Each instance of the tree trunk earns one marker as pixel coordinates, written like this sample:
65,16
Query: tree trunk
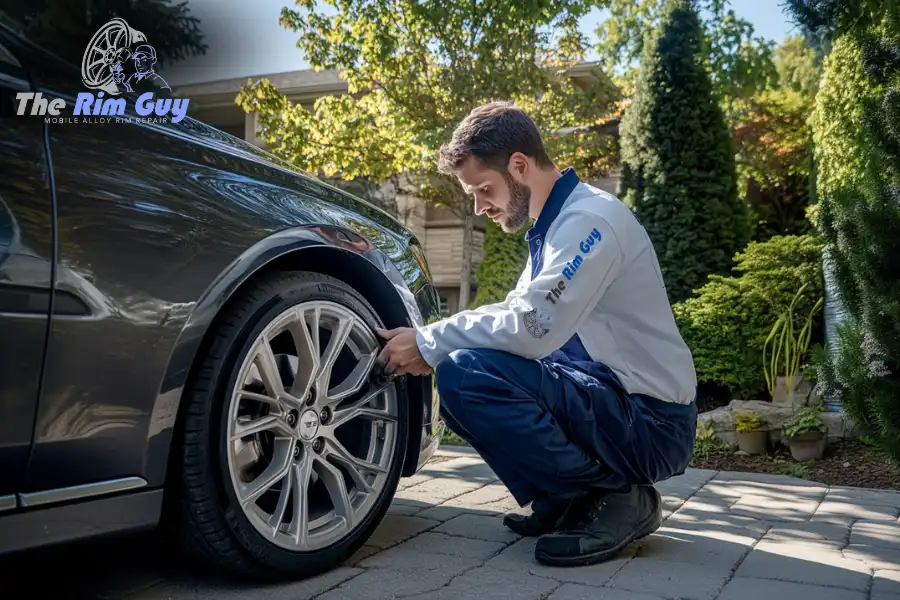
468,243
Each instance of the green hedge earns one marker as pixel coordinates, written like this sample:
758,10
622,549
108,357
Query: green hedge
505,255
727,320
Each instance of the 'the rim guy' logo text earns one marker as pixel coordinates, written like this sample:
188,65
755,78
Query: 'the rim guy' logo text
89,105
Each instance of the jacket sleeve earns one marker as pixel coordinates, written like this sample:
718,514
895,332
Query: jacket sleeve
581,258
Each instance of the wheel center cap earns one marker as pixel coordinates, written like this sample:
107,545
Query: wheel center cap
309,425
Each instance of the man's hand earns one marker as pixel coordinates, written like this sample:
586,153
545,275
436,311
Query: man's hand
401,353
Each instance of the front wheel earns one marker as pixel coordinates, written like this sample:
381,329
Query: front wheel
290,455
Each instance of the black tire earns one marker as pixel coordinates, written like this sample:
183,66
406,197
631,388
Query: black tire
209,517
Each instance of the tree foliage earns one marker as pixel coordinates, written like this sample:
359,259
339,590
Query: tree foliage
678,171
66,27
739,62
414,70
773,143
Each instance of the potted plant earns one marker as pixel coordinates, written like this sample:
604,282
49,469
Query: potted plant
752,434
781,364
807,433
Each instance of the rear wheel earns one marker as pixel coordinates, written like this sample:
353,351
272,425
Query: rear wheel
290,456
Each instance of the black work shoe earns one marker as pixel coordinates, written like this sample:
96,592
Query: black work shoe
538,523
604,525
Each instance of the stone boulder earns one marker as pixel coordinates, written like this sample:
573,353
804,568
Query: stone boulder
839,425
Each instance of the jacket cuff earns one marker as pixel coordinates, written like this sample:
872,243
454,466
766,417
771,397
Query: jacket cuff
428,346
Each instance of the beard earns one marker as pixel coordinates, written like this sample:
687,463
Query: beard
519,203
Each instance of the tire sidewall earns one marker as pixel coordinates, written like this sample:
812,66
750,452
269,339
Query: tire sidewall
290,293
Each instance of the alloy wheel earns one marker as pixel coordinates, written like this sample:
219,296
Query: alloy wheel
310,438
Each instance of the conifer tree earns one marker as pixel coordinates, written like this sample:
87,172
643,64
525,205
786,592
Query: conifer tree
678,170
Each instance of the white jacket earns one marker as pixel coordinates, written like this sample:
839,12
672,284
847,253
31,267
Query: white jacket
599,279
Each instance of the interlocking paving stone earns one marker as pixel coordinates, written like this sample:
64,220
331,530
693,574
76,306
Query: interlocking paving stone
434,543
875,534
877,557
489,528
864,496
670,579
396,528
576,591
387,584
804,563
886,582
745,588
204,589
717,550
841,510
439,489
775,509
497,585
485,495
361,554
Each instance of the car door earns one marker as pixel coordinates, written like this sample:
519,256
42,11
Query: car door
26,273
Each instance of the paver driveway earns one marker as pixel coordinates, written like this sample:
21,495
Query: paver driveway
728,536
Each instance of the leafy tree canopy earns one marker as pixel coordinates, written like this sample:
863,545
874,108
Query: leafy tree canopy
739,62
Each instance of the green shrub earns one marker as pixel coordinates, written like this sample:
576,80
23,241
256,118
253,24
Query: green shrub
707,444
805,420
727,321
745,422
678,168
505,255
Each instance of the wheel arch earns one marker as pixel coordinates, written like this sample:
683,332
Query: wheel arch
352,259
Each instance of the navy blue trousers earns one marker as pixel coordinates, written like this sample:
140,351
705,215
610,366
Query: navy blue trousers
552,428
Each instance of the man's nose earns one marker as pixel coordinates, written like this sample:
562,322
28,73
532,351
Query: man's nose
480,206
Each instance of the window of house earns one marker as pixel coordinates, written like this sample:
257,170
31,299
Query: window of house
444,305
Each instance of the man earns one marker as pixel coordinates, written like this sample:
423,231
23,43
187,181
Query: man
577,389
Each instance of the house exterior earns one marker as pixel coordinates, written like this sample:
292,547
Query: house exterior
440,231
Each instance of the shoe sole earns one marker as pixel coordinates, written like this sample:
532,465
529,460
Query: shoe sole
584,560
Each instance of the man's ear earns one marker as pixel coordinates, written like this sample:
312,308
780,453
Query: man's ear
518,165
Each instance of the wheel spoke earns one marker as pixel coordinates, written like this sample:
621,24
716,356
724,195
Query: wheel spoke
307,355
355,380
275,472
299,528
358,408
277,517
266,423
337,490
271,401
268,368
338,338
354,465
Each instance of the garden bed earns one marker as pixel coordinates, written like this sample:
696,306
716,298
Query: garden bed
845,463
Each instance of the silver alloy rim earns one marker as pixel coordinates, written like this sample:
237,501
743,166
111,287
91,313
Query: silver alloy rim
310,439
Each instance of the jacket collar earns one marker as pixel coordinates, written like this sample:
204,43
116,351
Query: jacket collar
555,201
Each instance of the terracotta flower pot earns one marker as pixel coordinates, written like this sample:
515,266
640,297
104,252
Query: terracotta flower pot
753,442
808,446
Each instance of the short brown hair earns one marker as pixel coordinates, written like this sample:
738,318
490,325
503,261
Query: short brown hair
492,133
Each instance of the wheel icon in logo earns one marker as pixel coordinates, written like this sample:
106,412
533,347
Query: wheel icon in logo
533,326
102,66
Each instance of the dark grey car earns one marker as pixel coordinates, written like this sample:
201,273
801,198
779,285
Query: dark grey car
187,338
